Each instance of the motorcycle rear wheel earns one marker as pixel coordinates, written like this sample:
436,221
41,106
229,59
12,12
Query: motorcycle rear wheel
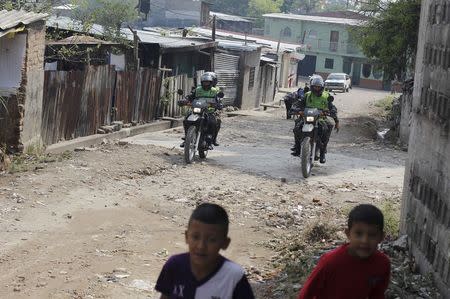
305,156
190,144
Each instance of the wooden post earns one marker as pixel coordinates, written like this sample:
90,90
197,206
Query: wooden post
214,28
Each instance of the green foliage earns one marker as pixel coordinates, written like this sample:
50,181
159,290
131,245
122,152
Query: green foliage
256,8
390,36
303,6
40,6
235,7
391,212
111,14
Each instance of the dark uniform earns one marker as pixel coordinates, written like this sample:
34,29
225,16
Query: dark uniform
323,102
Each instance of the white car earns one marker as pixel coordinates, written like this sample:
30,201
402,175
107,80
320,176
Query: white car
338,81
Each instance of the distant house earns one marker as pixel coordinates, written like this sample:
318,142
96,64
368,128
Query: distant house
22,43
177,13
232,23
328,47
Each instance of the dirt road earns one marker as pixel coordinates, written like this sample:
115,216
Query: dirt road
101,223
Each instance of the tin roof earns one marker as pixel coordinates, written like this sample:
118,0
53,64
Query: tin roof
261,41
13,18
81,40
167,43
226,17
319,19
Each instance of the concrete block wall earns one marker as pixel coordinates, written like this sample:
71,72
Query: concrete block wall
426,196
33,85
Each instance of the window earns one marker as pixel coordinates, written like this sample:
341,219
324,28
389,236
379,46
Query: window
312,34
287,32
267,29
377,72
334,40
366,70
329,63
251,79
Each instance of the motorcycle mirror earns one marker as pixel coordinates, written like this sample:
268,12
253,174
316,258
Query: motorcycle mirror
180,92
220,94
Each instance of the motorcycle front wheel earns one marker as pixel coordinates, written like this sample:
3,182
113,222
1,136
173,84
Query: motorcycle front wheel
305,156
190,144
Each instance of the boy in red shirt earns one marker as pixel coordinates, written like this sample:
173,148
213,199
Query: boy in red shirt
356,270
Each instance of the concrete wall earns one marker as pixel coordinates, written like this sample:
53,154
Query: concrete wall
406,100
249,94
34,86
426,200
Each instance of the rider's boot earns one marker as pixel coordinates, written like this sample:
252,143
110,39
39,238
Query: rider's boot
322,156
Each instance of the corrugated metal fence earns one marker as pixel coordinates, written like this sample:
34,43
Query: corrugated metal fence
169,96
76,103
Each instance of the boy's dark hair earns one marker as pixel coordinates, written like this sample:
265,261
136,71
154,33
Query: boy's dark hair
211,213
366,213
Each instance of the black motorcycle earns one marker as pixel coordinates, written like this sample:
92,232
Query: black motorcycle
198,135
310,139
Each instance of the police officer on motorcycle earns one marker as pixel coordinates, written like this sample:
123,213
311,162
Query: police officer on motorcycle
205,90
322,100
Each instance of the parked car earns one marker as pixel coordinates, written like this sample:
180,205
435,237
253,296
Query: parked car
338,81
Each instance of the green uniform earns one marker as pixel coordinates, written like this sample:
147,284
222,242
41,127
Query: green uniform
202,93
313,101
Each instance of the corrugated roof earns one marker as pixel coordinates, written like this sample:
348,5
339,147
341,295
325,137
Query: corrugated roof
320,19
146,37
225,17
81,40
225,35
238,45
66,23
13,18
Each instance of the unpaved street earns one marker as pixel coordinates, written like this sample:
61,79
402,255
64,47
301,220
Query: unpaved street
101,223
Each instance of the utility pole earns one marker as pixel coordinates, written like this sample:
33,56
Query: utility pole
214,28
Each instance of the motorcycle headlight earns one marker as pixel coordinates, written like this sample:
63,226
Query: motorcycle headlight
310,118
197,110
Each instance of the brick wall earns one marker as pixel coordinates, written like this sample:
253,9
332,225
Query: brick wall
371,83
426,200
33,84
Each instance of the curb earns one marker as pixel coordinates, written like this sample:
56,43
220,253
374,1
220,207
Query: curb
88,141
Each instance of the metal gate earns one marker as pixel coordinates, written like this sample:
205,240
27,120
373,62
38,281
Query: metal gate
227,70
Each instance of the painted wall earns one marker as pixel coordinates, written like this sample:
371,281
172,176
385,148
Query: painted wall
12,55
316,37
249,95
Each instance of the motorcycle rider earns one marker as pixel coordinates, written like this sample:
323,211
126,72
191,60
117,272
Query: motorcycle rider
205,90
322,100
217,113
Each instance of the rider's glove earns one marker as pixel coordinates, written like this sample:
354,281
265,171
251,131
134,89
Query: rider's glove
336,127
182,102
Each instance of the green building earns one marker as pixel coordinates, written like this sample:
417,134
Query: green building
327,44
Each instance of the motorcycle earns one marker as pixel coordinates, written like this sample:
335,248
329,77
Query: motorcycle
310,140
198,138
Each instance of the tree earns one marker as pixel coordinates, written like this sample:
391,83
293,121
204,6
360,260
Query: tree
301,6
43,6
111,14
390,37
256,8
235,7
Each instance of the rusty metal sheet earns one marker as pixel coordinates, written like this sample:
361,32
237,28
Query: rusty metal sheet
76,103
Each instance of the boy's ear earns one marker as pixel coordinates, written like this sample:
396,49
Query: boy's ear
226,243
347,233
186,236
